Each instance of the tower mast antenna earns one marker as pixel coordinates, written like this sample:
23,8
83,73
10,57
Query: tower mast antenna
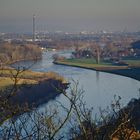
34,32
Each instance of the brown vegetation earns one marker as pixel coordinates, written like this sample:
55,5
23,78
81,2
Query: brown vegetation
10,53
112,123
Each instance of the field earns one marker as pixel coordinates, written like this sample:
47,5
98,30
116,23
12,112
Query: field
25,77
89,63
86,61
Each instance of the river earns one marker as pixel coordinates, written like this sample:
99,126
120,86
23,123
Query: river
99,87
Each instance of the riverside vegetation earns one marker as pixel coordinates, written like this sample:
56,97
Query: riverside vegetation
113,123
10,53
19,87
22,90
77,123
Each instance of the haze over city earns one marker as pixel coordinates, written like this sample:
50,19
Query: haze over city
69,15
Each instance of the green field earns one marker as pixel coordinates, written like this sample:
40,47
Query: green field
86,61
89,63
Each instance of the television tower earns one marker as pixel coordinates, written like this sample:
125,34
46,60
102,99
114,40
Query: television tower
34,32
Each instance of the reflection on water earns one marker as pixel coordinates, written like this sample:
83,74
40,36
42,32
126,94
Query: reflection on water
97,76
99,87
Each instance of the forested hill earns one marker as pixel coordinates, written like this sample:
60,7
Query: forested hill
10,53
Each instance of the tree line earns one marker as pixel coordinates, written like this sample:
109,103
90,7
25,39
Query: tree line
10,53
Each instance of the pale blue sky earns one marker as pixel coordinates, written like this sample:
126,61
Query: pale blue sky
69,15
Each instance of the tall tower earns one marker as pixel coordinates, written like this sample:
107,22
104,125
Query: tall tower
34,32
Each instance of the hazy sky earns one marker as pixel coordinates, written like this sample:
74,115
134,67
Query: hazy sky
69,15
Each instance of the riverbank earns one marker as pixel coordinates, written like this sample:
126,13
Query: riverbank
132,72
25,76
129,72
31,90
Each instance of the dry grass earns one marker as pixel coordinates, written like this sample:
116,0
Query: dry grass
26,77
6,81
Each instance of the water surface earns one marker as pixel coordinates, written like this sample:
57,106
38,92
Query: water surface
99,87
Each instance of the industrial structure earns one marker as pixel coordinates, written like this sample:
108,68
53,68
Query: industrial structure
34,31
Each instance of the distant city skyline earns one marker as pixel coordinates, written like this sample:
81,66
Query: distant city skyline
69,15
